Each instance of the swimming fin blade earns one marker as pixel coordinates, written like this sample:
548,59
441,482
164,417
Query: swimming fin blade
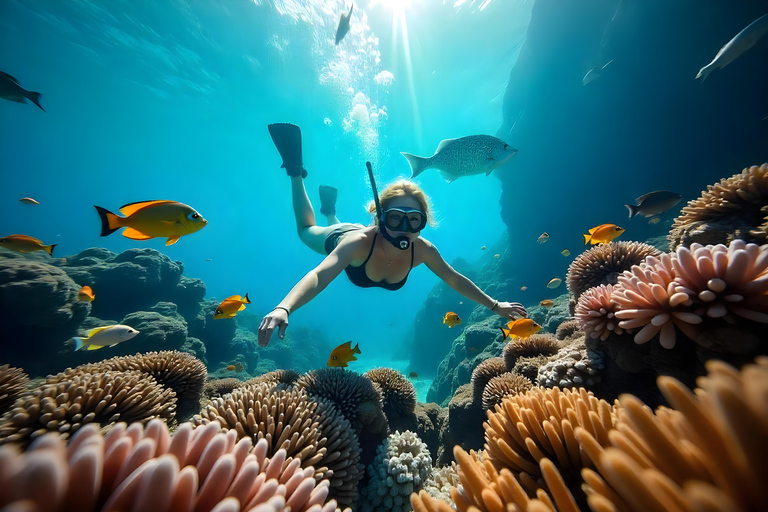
328,200
287,139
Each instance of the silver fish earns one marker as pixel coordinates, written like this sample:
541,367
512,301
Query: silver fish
594,73
12,91
343,28
733,49
106,336
652,203
464,156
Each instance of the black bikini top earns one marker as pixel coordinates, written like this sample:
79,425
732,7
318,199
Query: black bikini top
359,277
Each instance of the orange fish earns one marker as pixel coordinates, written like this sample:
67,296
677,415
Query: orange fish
451,319
602,234
231,368
520,328
85,294
230,306
28,200
24,243
343,354
152,219
413,375
546,303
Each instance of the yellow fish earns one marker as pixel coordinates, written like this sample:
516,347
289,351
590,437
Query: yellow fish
86,294
24,243
152,219
106,336
520,328
654,220
602,234
546,303
554,282
28,200
565,252
343,354
229,307
543,237
451,319
483,248
231,368
497,256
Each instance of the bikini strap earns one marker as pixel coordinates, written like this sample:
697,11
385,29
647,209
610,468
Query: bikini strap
371,251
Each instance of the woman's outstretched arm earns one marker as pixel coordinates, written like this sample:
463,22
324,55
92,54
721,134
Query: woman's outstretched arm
435,262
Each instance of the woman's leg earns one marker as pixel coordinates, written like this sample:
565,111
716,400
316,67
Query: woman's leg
311,234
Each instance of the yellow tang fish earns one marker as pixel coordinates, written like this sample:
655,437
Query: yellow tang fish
24,243
229,307
106,336
602,234
451,319
547,303
86,294
554,282
152,219
343,354
565,252
520,328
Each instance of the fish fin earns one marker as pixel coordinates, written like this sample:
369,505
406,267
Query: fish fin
94,347
97,330
131,208
246,300
489,171
6,75
135,234
633,209
706,70
34,97
443,144
355,350
109,221
49,248
505,332
241,308
586,238
418,164
234,297
172,240
448,176
79,344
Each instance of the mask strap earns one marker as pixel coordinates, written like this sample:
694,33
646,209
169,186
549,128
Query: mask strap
401,242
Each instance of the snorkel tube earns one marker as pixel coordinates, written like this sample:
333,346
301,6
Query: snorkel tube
401,242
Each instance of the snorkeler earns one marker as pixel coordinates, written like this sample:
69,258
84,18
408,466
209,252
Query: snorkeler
380,255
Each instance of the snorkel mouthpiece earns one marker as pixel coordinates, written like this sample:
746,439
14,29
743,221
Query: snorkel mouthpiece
401,242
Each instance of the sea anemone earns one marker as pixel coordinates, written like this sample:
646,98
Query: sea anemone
567,328
397,392
484,372
734,208
220,387
12,384
501,386
602,264
313,432
534,345
280,376
131,468
596,313
101,398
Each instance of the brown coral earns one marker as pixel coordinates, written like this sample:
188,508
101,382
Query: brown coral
136,469
501,386
534,345
484,372
280,376
220,387
596,313
313,432
567,328
734,208
12,384
397,392
102,398
602,264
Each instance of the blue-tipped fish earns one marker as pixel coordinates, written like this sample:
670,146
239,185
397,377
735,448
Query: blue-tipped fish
106,336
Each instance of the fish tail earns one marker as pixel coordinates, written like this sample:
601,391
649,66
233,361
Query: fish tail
505,332
34,97
633,209
356,350
49,248
418,164
587,238
109,221
705,71
246,300
80,343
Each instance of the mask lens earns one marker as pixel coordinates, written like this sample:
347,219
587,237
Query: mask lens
416,221
410,220
394,220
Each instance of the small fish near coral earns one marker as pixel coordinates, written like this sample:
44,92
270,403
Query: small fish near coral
106,336
343,27
413,375
653,203
451,319
152,219
547,303
25,244
86,294
602,234
28,200
520,328
543,238
234,367
465,156
343,354
230,306
554,283
11,90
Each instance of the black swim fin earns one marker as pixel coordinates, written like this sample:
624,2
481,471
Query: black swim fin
287,139
328,200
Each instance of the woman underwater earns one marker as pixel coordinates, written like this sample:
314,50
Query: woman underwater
381,255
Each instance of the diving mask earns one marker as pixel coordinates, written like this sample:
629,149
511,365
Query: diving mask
411,220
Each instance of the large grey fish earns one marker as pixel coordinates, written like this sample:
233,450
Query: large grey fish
733,49
652,203
12,91
464,156
343,28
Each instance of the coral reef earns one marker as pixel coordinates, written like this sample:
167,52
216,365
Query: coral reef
64,404
286,377
734,208
567,329
219,387
484,372
397,393
13,381
132,468
503,385
536,344
441,482
463,426
572,366
596,314
602,264
314,433
402,466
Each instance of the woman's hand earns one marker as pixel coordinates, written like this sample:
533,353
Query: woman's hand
277,318
510,310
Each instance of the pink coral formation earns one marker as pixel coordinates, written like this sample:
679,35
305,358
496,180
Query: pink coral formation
596,313
135,469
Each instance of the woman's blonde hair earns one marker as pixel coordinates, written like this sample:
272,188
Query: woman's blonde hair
404,188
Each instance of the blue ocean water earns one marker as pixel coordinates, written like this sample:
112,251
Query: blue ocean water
171,100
